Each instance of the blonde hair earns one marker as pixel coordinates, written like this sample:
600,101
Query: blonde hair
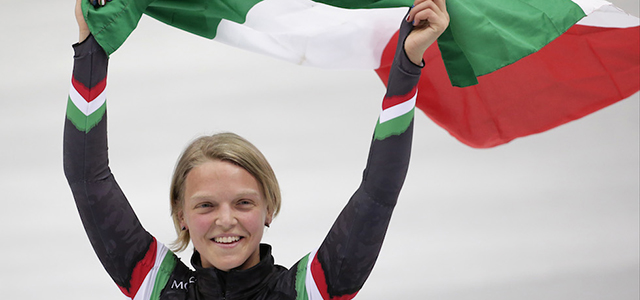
226,147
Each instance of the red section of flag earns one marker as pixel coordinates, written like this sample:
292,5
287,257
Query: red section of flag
395,100
141,270
321,282
582,71
89,94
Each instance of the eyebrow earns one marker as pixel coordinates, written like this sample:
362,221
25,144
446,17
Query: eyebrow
238,195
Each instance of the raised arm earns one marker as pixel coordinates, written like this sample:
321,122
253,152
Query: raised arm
125,249
346,257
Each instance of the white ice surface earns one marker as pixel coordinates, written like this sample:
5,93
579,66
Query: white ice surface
550,216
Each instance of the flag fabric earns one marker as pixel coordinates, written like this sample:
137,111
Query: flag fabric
502,70
299,31
595,63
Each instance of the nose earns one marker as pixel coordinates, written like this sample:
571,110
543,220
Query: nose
226,218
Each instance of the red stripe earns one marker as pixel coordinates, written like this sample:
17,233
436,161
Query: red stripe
582,71
89,94
395,100
321,282
140,271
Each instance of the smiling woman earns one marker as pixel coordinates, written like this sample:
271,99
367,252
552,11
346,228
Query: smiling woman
227,147
224,193
224,211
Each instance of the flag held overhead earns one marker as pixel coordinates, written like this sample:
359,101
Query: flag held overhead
503,69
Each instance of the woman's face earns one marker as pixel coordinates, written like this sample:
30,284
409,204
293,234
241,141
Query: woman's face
225,213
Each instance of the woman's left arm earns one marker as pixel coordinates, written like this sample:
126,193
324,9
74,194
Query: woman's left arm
347,255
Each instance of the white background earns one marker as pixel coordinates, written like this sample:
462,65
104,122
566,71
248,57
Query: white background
550,216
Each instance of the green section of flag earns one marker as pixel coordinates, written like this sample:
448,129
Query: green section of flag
200,17
83,122
485,35
166,267
114,22
301,276
394,126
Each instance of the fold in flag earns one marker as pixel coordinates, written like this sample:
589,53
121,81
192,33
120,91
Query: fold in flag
502,70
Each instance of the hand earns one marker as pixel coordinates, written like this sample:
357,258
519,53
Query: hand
430,19
82,24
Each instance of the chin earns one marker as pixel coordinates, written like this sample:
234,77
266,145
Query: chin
228,264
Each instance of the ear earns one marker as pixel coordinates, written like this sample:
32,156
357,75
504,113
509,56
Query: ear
183,224
268,219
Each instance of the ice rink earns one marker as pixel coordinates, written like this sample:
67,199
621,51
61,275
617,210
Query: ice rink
549,216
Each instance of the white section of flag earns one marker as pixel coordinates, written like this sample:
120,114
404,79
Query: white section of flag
610,16
314,34
588,6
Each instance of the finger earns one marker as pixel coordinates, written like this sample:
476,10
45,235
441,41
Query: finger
424,18
442,4
416,2
414,10
426,9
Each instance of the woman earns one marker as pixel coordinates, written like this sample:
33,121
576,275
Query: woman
224,192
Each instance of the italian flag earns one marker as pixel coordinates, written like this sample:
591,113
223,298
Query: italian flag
502,70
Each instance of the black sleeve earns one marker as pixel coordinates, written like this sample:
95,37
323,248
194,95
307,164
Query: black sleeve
115,233
351,248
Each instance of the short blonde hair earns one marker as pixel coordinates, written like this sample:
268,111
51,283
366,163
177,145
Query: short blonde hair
225,147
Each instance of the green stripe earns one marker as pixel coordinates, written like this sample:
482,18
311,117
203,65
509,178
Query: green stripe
485,35
80,120
166,268
394,126
301,276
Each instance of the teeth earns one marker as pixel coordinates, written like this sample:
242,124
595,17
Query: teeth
227,239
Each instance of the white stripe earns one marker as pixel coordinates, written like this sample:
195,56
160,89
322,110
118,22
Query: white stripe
310,33
398,109
588,6
310,283
610,16
144,293
87,108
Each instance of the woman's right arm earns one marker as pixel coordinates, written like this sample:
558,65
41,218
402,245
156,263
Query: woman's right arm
125,249
113,228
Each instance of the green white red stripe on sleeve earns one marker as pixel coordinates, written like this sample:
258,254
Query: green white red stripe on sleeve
311,283
151,274
86,106
396,115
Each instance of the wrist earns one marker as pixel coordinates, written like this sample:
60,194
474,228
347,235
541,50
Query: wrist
415,56
83,35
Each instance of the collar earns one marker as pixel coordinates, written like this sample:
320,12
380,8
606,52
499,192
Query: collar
235,284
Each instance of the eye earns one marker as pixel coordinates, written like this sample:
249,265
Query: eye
244,203
204,205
